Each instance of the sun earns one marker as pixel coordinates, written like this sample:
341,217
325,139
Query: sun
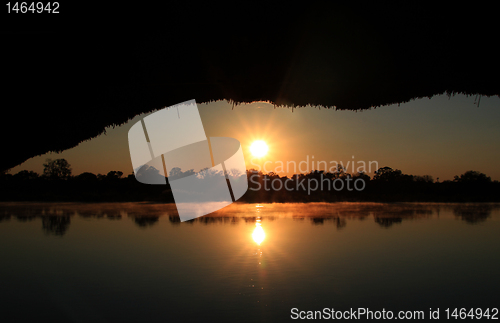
259,148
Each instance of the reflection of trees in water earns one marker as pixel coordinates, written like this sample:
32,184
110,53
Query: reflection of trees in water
4,217
54,221
384,214
224,220
56,217
387,222
423,212
397,213
473,214
112,214
339,222
89,214
318,220
355,214
145,221
175,220
56,225
25,218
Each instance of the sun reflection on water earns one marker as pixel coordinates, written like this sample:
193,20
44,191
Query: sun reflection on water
258,234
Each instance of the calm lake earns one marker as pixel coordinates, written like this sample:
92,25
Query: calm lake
135,262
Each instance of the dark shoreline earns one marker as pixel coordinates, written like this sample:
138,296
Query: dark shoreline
387,186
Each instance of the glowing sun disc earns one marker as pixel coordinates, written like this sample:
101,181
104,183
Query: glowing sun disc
259,148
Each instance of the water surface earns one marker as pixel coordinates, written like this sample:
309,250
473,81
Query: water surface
135,262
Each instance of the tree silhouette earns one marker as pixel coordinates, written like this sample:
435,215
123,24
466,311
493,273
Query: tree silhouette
86,176
362,175
114,175
26,175
177,173
388,185
386,173
423,179
57,169
472,177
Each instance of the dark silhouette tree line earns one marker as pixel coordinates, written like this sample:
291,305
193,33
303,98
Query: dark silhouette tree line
387,185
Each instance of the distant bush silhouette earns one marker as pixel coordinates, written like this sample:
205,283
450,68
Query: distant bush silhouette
472,177
387,185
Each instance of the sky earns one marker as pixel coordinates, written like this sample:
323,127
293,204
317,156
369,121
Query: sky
440,136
